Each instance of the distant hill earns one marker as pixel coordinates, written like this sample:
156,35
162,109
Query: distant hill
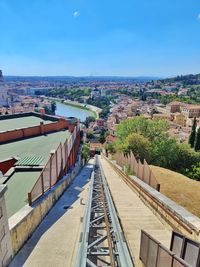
190,79
76,79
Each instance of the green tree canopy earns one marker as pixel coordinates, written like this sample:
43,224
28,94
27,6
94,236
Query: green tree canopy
151,129
139,145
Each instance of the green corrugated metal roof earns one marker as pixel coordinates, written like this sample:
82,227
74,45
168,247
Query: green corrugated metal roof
30,161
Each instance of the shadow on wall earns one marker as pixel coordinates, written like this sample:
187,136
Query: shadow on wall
70,196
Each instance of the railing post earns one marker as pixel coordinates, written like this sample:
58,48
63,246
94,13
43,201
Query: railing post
158,187
50,170
56,163
29,199
138,167
150,177
61,154
143,171
42,182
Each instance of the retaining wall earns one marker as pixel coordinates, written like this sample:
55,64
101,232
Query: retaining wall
170,213
5,241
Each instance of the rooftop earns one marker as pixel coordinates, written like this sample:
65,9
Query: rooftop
18,187
40,145
21,182
22,122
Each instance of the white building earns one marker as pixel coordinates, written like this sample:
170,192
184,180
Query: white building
4,96
95,93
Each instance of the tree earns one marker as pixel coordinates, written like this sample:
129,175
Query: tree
151,129
102,137
86,152
88,120
197,140
90,135
110,147
164,152
186,157
193,133
195,172
139,145
47,110
53,107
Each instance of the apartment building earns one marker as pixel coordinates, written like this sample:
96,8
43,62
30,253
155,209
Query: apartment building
191,111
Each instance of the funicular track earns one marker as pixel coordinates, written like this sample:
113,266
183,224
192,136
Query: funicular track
102,241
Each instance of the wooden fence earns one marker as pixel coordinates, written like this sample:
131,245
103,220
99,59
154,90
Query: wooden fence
58,165
142,171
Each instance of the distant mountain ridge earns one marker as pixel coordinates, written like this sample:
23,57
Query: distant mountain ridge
187,79
81,78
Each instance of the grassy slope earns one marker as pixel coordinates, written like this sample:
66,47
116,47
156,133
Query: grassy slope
179,188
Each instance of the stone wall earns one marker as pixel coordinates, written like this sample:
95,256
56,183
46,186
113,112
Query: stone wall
5,241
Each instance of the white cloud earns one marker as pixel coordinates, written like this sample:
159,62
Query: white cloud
76,14
198,17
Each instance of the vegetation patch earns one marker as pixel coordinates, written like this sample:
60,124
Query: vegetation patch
149,139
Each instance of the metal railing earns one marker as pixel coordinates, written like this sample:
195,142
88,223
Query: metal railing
142,171
186,249
153,254
58,164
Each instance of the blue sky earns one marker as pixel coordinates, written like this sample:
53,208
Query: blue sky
100,37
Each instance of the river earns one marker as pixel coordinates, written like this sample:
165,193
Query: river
70,111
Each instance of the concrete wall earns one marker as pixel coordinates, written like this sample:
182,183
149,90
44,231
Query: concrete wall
25,221
5,241
170,213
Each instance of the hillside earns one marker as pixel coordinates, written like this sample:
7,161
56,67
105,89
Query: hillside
179,188
190,79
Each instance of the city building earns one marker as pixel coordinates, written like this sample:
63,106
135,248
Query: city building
5,99
95,93
175,106
191,111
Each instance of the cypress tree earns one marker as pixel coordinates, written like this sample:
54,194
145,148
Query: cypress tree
193,133
197,141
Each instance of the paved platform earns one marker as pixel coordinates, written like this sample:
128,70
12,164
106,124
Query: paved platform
55,241
134,214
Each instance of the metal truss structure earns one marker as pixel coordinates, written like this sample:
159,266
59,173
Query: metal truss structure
102,241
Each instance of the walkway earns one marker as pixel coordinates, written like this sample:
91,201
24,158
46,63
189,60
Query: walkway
133,213
55,241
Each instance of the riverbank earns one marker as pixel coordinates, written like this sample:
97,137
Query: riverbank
95,110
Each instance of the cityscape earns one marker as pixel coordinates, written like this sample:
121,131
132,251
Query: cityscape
99,134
